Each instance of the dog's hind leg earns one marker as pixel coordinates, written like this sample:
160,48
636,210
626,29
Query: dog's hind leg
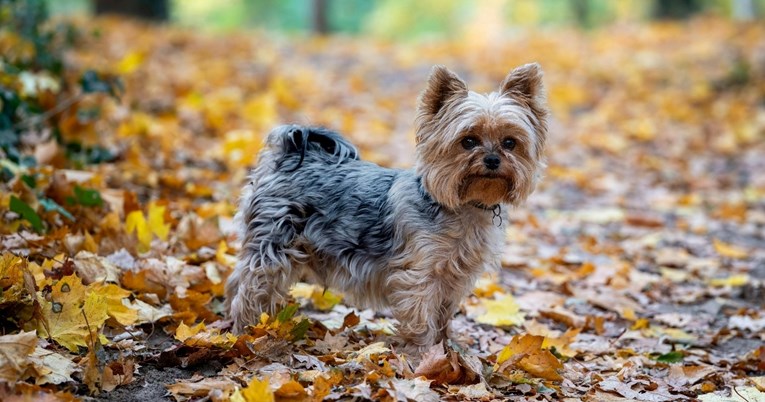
268,265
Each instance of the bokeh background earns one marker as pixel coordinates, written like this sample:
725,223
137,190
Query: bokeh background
403,19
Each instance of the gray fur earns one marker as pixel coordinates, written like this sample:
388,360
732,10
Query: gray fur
413,241
347,223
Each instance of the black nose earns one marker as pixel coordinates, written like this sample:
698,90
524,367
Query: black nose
491,162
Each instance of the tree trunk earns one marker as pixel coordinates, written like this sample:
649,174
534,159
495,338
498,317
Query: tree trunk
319,17
581,10
675,9
155,10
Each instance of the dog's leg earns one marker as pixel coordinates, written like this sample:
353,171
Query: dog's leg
250,292
268,265
421,307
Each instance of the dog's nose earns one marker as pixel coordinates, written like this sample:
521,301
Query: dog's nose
491,162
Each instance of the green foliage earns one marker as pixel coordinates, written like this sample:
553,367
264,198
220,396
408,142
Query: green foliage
33,89
671,357
287,313
26,212
87,197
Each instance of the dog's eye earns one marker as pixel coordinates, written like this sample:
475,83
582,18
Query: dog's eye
469,143
508,144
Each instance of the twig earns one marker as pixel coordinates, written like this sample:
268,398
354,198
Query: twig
50,113
90,333
739,394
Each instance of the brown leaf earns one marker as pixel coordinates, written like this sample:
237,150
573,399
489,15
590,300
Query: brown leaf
438,366
117,373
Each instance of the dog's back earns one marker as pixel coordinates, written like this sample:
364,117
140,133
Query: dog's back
311,200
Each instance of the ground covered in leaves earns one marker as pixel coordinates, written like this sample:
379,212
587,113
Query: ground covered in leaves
636,271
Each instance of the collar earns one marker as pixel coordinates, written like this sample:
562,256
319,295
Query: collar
495,209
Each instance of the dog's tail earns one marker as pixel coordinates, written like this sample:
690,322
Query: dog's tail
293,140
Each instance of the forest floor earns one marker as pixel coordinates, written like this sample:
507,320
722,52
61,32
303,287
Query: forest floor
636,271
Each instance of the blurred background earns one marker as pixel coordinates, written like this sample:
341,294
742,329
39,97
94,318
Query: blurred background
170,91
402,19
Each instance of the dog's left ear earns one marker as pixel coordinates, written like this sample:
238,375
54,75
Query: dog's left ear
524,82
443,85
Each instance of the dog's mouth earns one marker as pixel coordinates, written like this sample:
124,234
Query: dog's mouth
488,176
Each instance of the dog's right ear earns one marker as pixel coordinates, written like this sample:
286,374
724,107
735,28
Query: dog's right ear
443,85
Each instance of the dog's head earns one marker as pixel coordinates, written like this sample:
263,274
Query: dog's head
484,149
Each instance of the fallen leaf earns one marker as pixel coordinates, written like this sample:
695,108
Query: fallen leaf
15,353
729,250
415,390
503,311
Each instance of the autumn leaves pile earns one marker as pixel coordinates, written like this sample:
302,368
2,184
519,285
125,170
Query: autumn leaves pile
632,273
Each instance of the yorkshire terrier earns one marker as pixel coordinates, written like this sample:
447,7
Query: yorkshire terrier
412,241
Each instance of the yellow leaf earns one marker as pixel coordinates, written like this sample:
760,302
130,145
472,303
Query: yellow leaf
733,280
73,313
135,222
321,298
640,324
258,391
261,111
11,278
502,311
486,287
129,63
222,257
157,221
729,250
324,299
199,335
114,295
241,147
561,343
184,332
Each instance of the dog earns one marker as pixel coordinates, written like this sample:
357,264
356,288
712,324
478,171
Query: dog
411,241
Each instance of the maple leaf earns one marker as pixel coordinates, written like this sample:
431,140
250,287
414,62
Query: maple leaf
526,353
136,222
73,313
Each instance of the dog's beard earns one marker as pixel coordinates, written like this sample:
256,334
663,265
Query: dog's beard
486,189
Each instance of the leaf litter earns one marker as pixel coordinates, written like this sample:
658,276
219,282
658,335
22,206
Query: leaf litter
635,272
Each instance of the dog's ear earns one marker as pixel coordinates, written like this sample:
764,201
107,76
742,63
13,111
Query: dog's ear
443,85
524,82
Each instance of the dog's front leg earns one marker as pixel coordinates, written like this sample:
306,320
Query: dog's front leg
421,307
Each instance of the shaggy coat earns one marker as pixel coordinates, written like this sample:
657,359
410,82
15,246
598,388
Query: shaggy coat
412,241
